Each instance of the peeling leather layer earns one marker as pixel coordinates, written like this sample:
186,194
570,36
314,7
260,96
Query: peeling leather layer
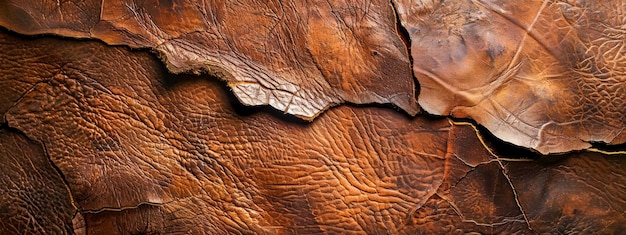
130,138
298,58
547,75
144,151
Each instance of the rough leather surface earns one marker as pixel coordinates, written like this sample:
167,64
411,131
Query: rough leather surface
126,136
145,151
486,193
15,81
297,57
547,75
33,197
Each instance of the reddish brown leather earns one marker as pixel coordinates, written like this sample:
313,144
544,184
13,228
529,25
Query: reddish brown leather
146,151
298,57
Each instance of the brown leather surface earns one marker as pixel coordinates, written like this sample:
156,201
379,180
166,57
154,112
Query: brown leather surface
300,58
146,151
33,197
546,75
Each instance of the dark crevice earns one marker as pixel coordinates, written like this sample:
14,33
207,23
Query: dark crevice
499,147
7,126
58,170
139,206
171,80
404,35
609,147
66,183
387,106
508,150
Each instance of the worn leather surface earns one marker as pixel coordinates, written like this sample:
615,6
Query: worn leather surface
546,75
300,58
33,197
146,151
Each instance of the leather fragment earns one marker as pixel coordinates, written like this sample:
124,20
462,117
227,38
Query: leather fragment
298,57
546,75
145,151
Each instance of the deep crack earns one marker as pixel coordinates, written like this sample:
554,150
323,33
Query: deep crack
404,35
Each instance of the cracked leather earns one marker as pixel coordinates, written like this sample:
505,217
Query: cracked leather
298,58
546,75
145,151
34,199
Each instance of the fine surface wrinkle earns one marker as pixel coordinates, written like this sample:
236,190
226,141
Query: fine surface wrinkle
145,151
300,58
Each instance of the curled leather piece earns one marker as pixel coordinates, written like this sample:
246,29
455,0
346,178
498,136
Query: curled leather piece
298,57
547,75
145,151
